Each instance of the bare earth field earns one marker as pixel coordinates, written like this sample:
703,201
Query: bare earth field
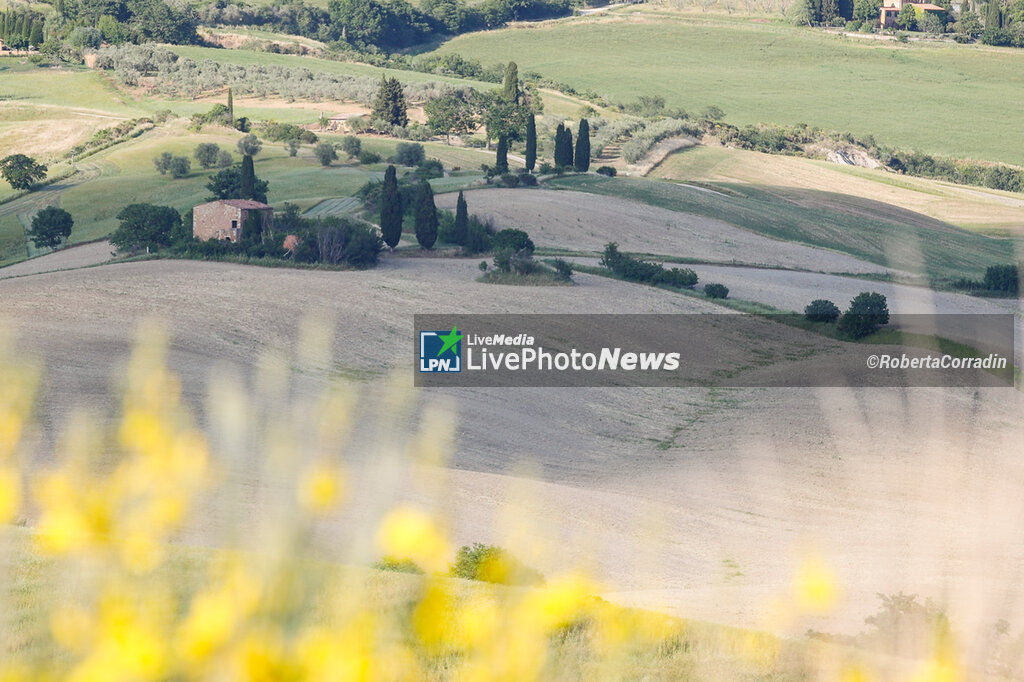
588,222
701,501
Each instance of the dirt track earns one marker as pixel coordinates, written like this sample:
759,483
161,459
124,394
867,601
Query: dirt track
586,222
659,491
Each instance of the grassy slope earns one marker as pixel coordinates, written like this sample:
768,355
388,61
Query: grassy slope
858,190
778,73
36,586
945,252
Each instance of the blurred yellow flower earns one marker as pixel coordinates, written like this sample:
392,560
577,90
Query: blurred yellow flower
10,494
408,533
320,488
815,585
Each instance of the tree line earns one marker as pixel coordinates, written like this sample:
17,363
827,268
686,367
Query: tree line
361,25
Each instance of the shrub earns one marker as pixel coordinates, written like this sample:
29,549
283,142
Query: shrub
483,266
250,145
325,153
206,154
607,170
334,241
446,227
408,154
163,162
512,240
431,168
683,278
716,291
224,159
821,310
366,157
419,132
478,237
351,145
292,146
398,565
510,179
179,167
636,270
527,179
867,312
546,168
1003,278
563,268
492,564
853,25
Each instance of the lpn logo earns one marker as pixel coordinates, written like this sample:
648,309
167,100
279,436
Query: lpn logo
441,351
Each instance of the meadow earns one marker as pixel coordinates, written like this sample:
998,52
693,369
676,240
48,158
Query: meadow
758,70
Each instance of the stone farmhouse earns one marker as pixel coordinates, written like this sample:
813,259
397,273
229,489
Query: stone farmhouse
225,219
891,8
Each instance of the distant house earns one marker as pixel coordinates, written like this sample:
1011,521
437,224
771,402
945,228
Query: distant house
891,8
225,219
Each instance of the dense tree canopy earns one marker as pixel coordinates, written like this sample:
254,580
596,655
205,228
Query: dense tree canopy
21,171
389,105
145,226
50,227
450,115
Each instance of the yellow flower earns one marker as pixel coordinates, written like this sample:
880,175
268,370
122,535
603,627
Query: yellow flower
320,488
815,585
10,494
215,615
408,533
72,628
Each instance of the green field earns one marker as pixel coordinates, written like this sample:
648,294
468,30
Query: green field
938,252
943,98
125,174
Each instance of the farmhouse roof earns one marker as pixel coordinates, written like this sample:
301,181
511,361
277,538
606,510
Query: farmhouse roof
242,203
927,6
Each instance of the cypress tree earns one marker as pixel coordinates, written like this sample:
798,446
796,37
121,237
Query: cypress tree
391,209
567,154
426,216
247,182
501,156
231,109
531,143
461,221
36,37
510,88
559,144
26,29
992,15
583,147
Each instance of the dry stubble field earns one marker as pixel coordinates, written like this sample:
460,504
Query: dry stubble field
700,501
